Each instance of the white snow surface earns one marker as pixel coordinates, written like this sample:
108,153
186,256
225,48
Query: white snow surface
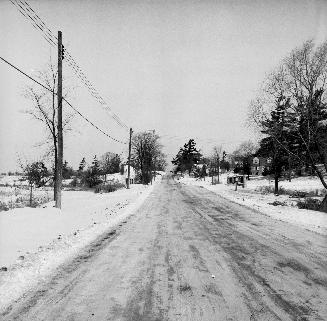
12,180
34,241
249,196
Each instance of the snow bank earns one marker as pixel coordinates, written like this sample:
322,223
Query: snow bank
303,184
311,220
34,241
117,177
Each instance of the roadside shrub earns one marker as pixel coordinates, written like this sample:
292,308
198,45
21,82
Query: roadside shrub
41,199
108,187
317,192
291,193
303,194
74,182
309,204
278,203
266,172
3,193
4,206
298,194
19,199
90,179
23,201
270,189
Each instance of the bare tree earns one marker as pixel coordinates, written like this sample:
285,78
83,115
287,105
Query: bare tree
243,154
110,163
36,174
307,68
147,154
44,107
246,148
300,79
215,160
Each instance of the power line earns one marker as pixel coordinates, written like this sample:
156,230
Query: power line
22,72
99,129
78,71
26,10
208,140
69,104
48,36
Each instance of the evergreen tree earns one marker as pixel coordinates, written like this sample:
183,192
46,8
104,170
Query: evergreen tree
92,176
225,165
247,166
187,157
302,78
67,171
203,172
278,134
82,165
95,168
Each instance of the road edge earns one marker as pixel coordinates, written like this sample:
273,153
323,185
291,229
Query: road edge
21,280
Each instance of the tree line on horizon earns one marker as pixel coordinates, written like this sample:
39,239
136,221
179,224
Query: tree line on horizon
147,159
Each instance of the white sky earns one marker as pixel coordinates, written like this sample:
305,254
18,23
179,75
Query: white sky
185,68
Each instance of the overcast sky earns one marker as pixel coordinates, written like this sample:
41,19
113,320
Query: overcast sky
187,69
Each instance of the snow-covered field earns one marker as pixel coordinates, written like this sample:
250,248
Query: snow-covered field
299,184
34,241
18,196
12,180
15,192
251,197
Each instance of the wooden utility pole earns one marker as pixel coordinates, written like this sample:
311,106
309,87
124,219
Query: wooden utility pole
59,125
129,157
289,167
218,164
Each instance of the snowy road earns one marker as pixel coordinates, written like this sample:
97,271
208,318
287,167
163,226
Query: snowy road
188,254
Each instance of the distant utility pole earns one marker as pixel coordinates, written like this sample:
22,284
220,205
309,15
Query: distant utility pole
59,125
218,164
129,157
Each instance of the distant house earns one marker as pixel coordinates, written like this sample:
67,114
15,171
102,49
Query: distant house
132,173
198,167
259,164
197,170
